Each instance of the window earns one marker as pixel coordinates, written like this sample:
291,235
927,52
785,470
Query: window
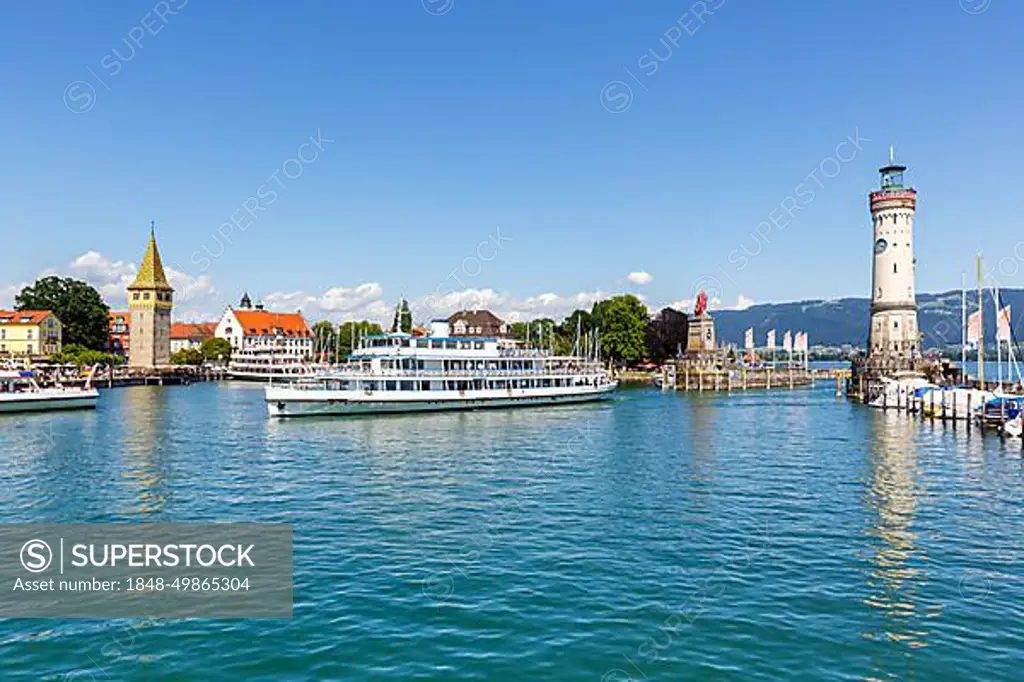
422,343
145,296
478,345
894,268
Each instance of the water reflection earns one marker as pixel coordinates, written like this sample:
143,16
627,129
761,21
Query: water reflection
897,577
144,415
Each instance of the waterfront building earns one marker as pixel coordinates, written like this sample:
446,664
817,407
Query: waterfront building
29,333
482,323
150,299
249,327
185,335
894,338
120,334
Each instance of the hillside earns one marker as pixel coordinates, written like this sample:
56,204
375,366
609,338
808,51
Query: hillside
845,320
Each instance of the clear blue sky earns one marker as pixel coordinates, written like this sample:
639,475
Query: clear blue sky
454,118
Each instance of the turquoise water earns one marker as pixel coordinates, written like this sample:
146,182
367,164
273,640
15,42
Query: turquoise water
661,536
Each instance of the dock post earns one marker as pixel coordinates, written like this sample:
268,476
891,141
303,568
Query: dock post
743,376
791,377
769,382
954,411
686,378
728,382
968,412
932,411
943,417
700,381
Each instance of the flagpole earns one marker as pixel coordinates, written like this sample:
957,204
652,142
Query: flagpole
963,327
999,344
981,331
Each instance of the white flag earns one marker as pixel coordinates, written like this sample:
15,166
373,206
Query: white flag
974,327
1003,324
787,342
771,340
748,339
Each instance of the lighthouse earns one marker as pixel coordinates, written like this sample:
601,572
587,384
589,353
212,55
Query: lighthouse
894,339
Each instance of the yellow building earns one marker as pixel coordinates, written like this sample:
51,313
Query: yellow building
29,333
150,299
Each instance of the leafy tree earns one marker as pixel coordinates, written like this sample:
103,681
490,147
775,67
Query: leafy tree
348,330
188,356
622,321
403,318
79,307
80,356
216,350
666,334
324,339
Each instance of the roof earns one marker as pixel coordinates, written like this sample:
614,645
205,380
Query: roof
189,330
476,318
151,272
26,317
264,323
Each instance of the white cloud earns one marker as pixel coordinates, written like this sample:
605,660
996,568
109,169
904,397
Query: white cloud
640,278
364,301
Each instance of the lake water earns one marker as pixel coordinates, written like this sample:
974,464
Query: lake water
763,536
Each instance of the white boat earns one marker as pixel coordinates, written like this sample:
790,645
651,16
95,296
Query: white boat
391,373
20,392
953,402
899,392
270,365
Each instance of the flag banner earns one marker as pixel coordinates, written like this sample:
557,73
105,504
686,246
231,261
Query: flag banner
1003,324
771,340
974,327
801,341
787,342
748,339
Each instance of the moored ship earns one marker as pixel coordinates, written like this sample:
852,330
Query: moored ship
390,373
20,392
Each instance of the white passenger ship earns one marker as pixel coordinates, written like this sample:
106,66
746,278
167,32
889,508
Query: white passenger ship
402,373
270,365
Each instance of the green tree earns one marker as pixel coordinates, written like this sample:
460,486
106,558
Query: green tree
80,356
79,307
403,318
325,338
348,331
216,350
622,321
188,356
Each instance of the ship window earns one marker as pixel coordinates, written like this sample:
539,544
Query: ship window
405,343
424,385
407,386
422,343
894,268
479,345
389,385
451,345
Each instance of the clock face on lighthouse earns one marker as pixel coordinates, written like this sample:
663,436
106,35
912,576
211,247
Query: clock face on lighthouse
881,245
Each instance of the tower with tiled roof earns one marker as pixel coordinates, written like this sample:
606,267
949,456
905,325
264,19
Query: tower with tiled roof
150,298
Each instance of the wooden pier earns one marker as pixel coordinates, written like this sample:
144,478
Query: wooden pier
686,376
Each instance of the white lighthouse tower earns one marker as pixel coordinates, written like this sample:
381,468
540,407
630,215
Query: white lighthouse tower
894,339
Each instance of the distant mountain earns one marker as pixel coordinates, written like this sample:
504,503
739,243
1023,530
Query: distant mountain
845,320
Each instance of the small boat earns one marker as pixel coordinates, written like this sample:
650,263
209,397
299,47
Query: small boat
953,402
21,392
900,392
1000,409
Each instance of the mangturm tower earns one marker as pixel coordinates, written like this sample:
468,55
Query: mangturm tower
150,300
894,339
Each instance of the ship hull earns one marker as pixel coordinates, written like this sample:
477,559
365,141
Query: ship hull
48,403
287,402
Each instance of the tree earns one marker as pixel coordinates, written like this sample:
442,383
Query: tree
79,356
666,334
188,356
216,350
325,338
403,318
349,330
79,307
622,321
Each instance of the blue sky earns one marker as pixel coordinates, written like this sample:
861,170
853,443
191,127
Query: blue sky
594,139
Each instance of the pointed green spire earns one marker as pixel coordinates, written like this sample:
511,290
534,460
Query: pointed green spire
151,272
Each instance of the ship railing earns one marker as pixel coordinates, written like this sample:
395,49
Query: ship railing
341,373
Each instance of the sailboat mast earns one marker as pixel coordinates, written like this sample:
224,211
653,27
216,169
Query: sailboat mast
963,327
981,331
999,344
